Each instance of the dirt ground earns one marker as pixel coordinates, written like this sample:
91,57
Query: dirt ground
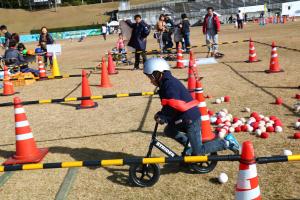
121,128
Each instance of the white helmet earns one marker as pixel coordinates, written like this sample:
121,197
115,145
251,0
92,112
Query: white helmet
155,64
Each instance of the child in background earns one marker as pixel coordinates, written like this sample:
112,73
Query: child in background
22,49
7,36
178,36
45,38
14,57
121,48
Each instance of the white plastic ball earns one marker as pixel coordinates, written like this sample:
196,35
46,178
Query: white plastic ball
213,119
222,99
243,120
231,130
239,122
268,124
223,178
218,101
266,119
297,125
258,132
247,109
263,129
287,152
278,129
225,110
261,116
222,133
222,114
271,122
228,123
250,129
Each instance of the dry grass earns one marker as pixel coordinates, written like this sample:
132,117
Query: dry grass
22,21
109,131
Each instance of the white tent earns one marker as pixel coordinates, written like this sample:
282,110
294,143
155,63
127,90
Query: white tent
113,23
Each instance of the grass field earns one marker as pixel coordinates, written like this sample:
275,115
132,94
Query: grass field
121,128
22,21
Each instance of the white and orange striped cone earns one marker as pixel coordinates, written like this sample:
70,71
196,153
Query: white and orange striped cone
247,187
26,150
252,53
207,134
42,70
180,62
274,63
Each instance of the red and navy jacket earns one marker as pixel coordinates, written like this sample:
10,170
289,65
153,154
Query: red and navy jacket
178,104
216,22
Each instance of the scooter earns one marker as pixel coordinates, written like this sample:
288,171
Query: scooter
146,175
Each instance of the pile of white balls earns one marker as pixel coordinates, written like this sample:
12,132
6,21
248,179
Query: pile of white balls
257,124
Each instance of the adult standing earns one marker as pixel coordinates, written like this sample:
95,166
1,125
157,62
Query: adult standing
185,29
240,19
45,39
161,28
211,28
169,33
138,40
104,31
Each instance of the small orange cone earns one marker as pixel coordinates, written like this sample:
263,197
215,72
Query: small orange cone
192,75
207,134
274,63
180,63
26,150
8,87
252,53
247,186
111,65
42,70
105,83
86,92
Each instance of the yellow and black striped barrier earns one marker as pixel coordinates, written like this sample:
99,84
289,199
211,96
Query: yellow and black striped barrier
169,49
46,78
110,96
282,47
138,160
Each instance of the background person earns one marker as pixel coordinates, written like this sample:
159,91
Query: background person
240,19
7,36
160,28
138,40
211,28
185,29
45,39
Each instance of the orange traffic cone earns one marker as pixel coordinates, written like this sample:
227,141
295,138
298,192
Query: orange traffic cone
8,87
42,70
26,150
252,53
207,134
180,63
192,75
274,63
111,65
247,186
105,83
86,92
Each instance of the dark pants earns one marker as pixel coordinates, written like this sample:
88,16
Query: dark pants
138,55
27,70
192,132
240,24
187,42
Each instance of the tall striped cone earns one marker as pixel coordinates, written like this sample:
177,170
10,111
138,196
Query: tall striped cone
86,92
207,134
55,67
104,82
42,70
192,75
252,53
247,187
274,63
8,87
111,65
26,150
180,63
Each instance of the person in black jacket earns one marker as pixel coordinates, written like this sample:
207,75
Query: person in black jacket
138,39
7,36
45,38
185,29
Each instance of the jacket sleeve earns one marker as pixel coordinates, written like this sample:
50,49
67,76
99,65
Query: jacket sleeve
204,26
21,58
218,24
50,39
167,112
129,23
